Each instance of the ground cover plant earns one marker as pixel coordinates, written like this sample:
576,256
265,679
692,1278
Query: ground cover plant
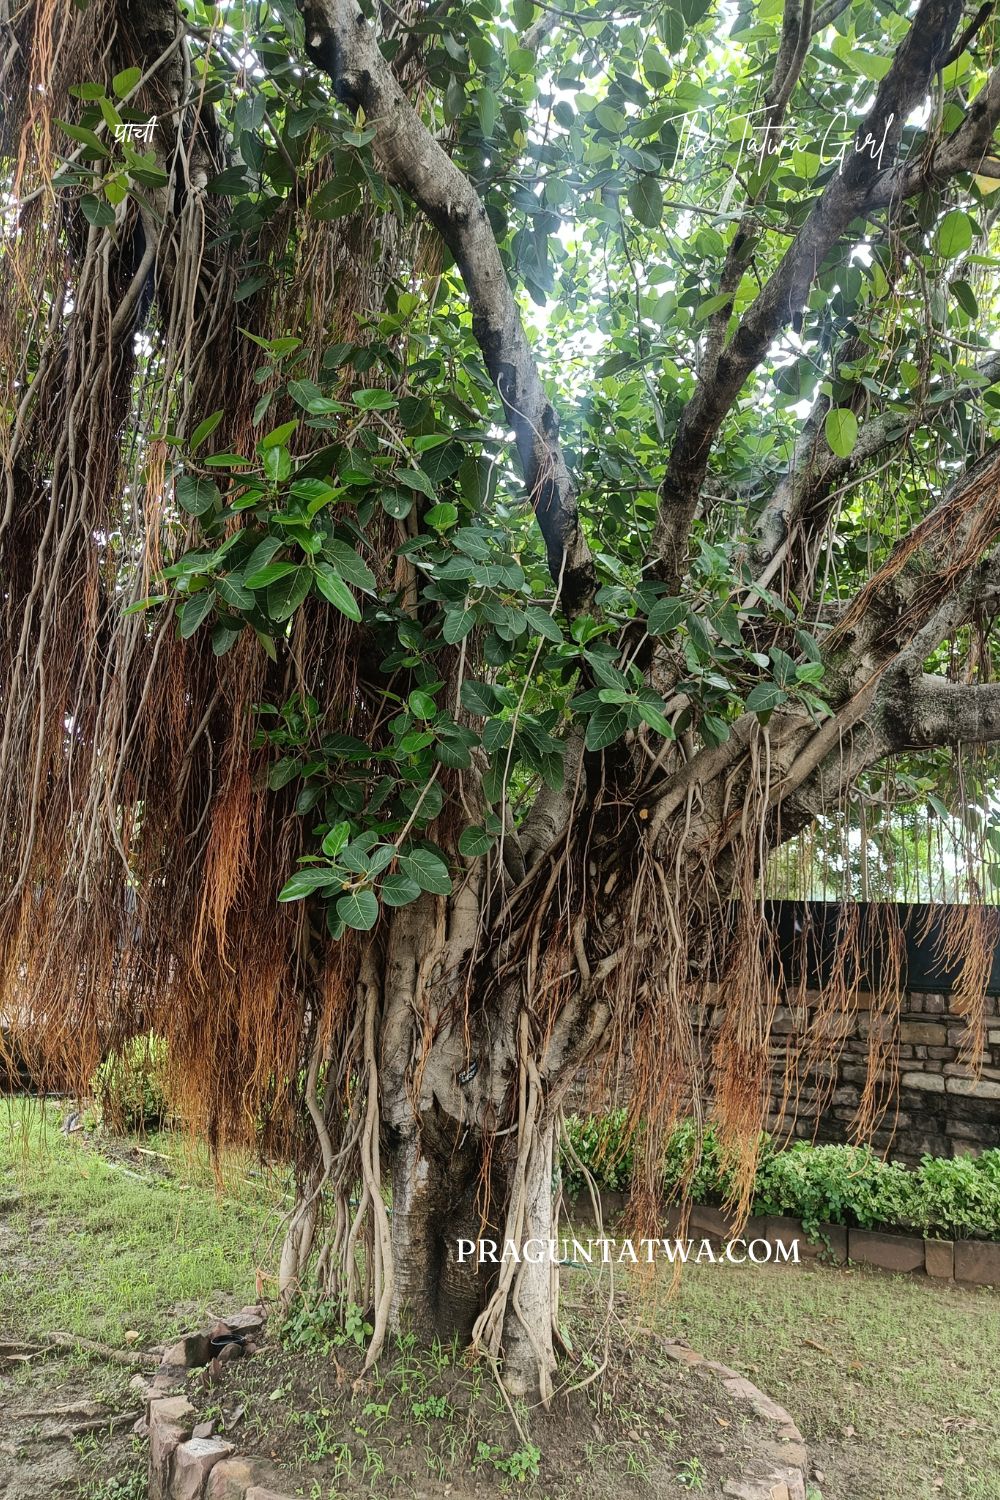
478,482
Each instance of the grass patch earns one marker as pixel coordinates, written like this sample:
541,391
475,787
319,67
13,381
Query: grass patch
892,1379
102,1245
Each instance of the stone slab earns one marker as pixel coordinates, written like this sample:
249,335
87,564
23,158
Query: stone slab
891,1252
939,1259
193,1462
977,1261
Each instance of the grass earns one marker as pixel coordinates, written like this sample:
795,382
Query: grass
133,1243
892,1379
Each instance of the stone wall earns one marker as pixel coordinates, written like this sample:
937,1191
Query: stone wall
929,1100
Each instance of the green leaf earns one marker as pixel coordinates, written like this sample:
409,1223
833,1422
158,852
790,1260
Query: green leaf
765,697
97,212
205,429
95,146
222,638
277,464
396,504
422,705
147,603
194,611
441,516
954,234
197,496
653,715
487,109
474,842
457,624
286,594
335,590
478,697
349,565
398,890
262,578
375,399
966,298
304,882
428,870
232,591
277,436
543,624
666,615
645,199
606,724
358,909
124,82
336,838
714,731
416,479
841,429
262,554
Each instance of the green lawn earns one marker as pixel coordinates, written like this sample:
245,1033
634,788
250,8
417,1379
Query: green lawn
892,1379
144,1242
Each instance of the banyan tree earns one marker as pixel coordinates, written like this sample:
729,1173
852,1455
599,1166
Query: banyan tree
481,480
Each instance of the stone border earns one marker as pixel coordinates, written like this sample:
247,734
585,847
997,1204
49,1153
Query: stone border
974,1261
784,1472
188,1462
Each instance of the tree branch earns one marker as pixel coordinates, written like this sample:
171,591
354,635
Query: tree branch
815,469
341,43
848,195
796,33
929,711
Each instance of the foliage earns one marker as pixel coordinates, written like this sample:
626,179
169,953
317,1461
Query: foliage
601,1145
315,1325
496,500
952,1198
129,1086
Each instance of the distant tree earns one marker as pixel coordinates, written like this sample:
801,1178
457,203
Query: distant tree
478,478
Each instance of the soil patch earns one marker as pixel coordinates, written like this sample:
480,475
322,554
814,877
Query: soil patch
437,1424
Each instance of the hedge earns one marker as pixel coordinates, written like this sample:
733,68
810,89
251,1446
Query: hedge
942,1198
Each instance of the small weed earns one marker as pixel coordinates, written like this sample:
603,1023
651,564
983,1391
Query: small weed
520,1465
318,1327
691,1474
433,1406
125,1487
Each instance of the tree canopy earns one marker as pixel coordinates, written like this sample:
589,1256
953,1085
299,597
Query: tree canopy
480,477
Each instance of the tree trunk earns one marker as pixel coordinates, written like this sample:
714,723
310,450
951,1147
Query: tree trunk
446,1205
435,1195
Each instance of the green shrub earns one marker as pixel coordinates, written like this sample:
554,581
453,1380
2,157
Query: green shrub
600,1144
851,1185
959,1198
710,1177
129,1086
834,1185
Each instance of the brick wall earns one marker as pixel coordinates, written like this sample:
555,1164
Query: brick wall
931,1103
